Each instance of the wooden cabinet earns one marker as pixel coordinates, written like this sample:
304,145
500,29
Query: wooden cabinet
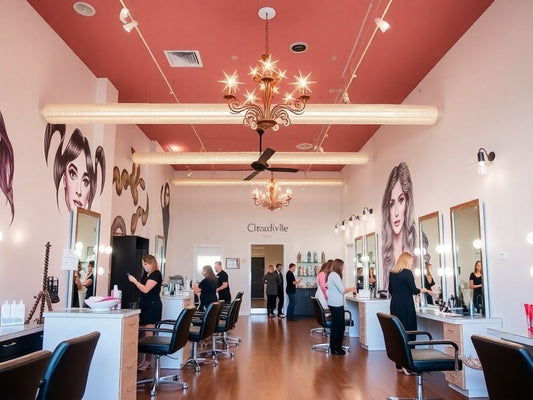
127,255
469,382
366,325
113,371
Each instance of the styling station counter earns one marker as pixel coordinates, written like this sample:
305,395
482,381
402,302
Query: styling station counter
522,337
19,340
469,382
366,325
113,371
172,306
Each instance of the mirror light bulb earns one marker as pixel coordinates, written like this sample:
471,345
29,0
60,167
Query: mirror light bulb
108,250
529,237
440,271
79,246
531,271
477,244
448,271
416,251
100,270
439,249
1,236
418,272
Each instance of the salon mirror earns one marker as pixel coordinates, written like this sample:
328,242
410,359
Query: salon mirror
359,256
431,254
85,238
372,270
468,246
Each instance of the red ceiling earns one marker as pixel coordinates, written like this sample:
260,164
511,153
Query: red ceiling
231,37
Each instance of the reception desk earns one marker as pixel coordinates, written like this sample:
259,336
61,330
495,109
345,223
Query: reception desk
469,382
172,306
113,371
366,325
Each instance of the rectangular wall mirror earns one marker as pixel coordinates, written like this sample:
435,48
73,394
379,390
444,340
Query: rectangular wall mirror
468,247
431,263
372,274
85,238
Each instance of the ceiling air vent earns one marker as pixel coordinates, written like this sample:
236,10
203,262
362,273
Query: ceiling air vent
183,58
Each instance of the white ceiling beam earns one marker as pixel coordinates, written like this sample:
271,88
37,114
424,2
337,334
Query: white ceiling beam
318,114
246,158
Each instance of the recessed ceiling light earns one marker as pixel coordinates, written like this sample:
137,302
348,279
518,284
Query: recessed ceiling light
84,9
299,47
304,146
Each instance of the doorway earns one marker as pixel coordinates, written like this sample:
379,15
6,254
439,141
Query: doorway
262,255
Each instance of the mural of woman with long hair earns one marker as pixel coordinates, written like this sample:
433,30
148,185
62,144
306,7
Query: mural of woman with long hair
165,209
398,229
74,166
7,167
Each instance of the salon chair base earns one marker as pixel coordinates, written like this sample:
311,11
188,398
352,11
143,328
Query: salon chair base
158,380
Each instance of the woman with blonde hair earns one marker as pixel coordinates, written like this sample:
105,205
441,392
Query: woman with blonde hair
150,302
402,289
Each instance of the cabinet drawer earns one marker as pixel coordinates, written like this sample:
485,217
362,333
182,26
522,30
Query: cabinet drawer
20,346
128,381
130,329
455,334
129,352
457,378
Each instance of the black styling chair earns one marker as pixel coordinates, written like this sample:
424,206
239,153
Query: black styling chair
234,340
21,376
201,330
66,375
507,367
225,323
164,345
417,360
324,320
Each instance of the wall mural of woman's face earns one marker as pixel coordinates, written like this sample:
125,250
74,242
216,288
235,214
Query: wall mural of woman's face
397,207
77,183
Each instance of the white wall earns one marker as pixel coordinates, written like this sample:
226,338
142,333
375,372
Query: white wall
38,68
483,88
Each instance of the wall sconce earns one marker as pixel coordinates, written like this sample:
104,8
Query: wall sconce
352,219
481,166
336,228
343,226
383,25
367,210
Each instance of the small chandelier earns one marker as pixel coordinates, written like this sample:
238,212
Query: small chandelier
260,113
272,198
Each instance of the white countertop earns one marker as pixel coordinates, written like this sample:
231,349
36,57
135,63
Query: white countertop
15,331
178,296
365,299
90,313
522,337
449,318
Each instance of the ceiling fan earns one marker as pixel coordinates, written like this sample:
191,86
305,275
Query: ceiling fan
261,163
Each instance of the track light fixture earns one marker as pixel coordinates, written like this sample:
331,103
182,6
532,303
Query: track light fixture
124,16
481,165
383,25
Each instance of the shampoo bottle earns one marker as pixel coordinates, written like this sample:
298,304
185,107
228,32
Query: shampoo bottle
117,294
5,313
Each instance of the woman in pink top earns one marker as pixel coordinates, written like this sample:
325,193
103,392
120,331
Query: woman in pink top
322,290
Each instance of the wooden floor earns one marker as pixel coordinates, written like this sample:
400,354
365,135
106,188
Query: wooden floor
275,361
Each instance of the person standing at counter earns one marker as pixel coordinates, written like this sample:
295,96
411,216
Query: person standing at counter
402,288
429,282
476,283
336,292
292,282
223,283
150,302
207,288
281,293
322,286
271,279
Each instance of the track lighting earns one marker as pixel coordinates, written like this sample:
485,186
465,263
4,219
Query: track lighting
383,25
123,16
481,165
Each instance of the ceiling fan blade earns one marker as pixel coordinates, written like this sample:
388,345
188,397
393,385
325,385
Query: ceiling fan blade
263,158
251,176
280,169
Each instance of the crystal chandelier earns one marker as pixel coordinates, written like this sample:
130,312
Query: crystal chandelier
272,198
260,113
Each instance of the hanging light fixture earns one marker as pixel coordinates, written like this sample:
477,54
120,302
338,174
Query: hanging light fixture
272,198
260,113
